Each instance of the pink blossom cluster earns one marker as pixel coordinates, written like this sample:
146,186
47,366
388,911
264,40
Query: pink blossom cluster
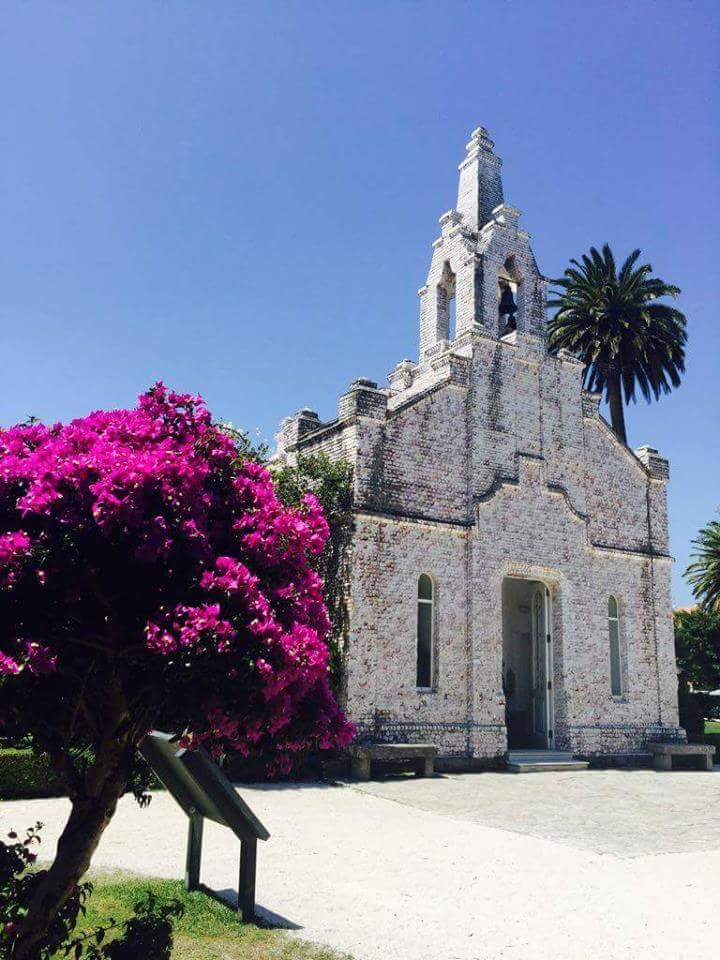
34,657
192,628
14,550
140,534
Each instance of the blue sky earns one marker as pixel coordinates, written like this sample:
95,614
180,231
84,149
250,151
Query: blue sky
240,198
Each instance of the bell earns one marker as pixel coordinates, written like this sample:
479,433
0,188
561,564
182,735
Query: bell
507,308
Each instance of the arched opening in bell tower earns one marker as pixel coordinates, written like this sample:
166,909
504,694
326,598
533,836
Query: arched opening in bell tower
446,303
509,283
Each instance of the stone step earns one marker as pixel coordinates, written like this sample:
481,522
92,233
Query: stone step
546,766
515,755
541,761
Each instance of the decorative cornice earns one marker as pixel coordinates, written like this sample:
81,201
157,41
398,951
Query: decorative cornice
559,490
397,516
332,426
635,551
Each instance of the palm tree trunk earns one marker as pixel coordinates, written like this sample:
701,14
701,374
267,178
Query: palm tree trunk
617,414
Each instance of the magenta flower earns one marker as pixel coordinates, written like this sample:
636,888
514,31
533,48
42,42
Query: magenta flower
8,665
135,545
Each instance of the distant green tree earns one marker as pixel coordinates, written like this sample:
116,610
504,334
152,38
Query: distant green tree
697,647
703,574
697,652
613,321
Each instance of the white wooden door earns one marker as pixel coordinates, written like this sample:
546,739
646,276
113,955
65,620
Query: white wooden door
540,668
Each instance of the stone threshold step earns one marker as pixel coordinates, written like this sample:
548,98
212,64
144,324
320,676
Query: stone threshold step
545,766
540,755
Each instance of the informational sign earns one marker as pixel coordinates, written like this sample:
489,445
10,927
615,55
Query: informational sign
204,792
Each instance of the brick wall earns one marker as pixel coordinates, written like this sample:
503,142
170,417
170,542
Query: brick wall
483,460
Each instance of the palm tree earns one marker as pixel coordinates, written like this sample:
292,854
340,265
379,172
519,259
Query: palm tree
614,323
703,574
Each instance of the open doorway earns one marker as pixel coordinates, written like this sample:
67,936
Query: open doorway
527,663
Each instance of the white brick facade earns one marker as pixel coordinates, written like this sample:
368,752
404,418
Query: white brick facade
485,460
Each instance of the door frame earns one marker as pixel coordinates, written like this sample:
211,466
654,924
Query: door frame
547,646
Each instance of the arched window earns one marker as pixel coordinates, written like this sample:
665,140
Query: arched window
425,621
614,637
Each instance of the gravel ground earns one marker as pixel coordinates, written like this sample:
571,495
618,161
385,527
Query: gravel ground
568,866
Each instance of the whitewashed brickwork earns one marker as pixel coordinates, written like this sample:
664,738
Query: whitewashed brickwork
483,460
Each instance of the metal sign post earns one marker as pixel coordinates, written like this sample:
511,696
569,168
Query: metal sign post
204,792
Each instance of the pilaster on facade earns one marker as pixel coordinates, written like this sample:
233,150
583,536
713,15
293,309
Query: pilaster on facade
657,466
293,429
363,399
591,405
401,378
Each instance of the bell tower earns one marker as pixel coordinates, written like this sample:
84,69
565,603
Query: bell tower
483,275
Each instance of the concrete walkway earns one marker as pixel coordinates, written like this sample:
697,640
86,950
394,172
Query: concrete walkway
568,866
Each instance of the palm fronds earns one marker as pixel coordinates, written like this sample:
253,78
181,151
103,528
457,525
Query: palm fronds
613,321
703,574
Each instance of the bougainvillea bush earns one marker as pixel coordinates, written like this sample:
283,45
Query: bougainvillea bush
149,574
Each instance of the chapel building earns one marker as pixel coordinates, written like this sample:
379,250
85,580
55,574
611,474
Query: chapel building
510,573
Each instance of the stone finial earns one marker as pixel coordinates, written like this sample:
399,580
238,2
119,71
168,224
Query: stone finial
479,140
450,219
401,377
363,399
480,188
567,357
295,427
656,465
452,368
506,215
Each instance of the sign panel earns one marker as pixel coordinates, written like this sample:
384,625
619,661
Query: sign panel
200,786
204,792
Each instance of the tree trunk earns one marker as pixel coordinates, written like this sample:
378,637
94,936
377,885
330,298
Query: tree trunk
617,414
86,824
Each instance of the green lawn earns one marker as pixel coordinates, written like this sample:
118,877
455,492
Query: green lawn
207,930
712,726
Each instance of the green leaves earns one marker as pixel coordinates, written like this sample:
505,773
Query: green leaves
703,574
148,933
19,880
612,320
697,647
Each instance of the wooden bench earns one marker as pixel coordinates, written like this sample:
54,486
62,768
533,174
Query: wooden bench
663,754
420,755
